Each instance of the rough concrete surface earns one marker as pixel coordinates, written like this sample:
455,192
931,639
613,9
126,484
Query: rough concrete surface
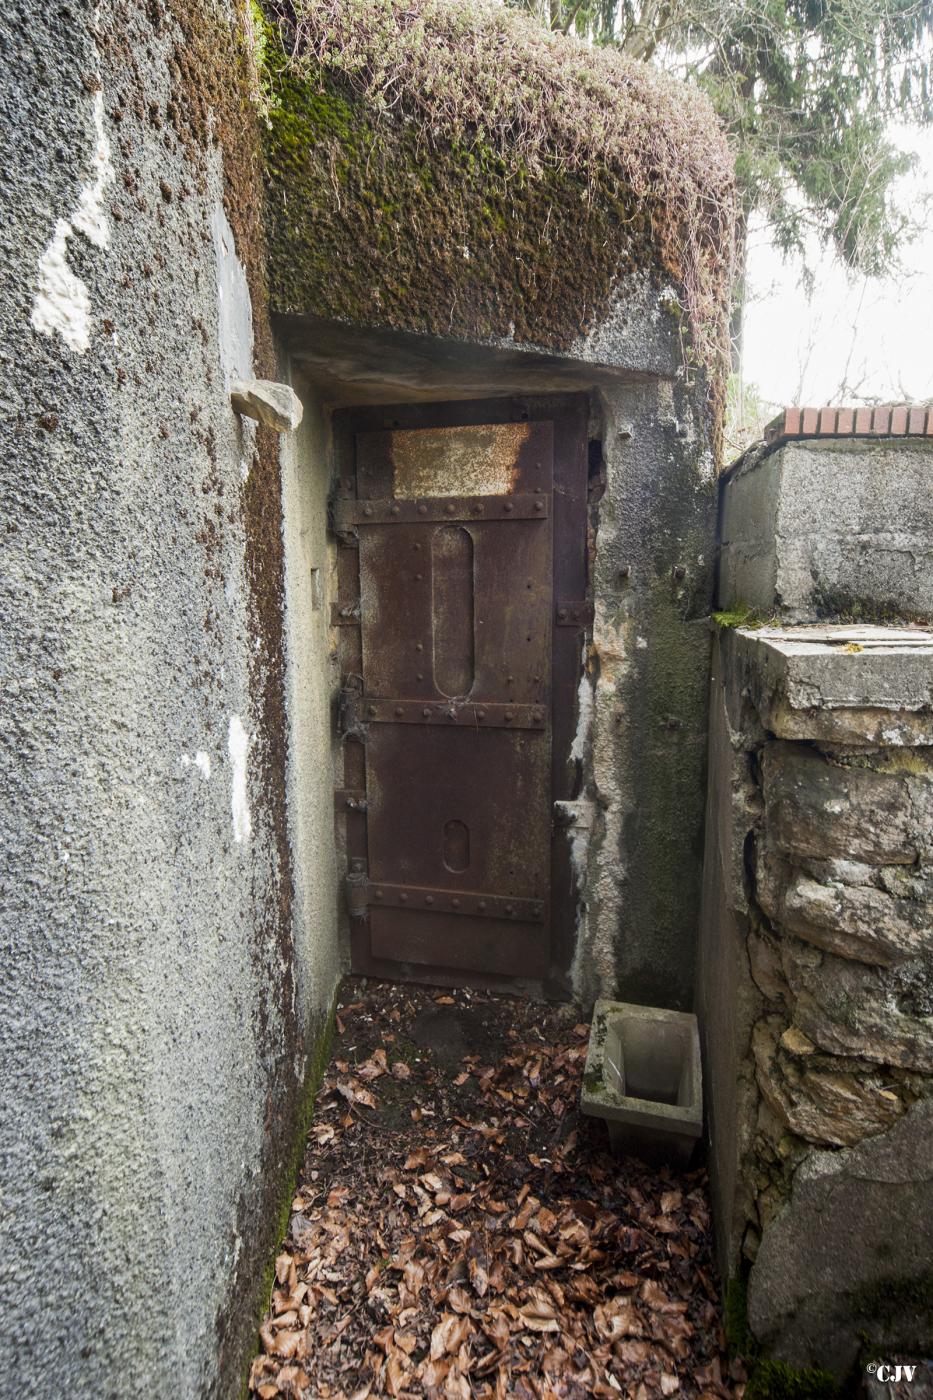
728,1001
821,529
644,744
153,1035
851,1252
839,684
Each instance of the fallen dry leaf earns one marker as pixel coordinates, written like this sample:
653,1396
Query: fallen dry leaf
463,1233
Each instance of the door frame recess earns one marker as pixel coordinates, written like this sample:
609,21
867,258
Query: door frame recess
571,618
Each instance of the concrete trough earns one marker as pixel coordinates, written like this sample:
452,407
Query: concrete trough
643,1079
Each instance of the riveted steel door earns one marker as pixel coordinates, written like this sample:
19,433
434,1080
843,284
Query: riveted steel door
447,518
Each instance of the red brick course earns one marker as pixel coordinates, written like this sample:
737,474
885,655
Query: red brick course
887,420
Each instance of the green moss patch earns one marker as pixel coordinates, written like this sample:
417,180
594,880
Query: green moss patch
740,616
454,169
775,1380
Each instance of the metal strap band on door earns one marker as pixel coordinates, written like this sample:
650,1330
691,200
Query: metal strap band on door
439,508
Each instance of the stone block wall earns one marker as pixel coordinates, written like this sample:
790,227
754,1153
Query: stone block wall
827,905
816,952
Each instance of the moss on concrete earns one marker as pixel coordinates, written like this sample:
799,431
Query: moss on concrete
739,616
898,1306
775,1380
666,695
413,211
280,1198
371,225
769,1379
842,605
735,1316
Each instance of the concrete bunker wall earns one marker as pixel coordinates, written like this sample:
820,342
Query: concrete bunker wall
168,972
170,876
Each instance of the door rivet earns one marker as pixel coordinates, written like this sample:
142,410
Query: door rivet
562,614
481,906
450,508
510,909
379,894
426,714
396,510
539,505
371,710
477,510
419,646
507,716
422,510
508,506
367,510
403,898
455,903
419,676
429,899
418,578
480,714
399,710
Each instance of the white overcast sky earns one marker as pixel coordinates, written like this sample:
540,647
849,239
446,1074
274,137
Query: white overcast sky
874,335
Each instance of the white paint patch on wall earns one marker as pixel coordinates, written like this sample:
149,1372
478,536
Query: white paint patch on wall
89,218
63,304
201,761
581,739
238,748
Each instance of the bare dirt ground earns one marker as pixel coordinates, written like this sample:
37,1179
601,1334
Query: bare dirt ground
460,1230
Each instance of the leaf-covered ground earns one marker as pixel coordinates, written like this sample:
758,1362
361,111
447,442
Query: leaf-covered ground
460,1229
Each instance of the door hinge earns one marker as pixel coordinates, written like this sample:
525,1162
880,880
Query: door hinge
349,800
346,615
574,614
356,888
349,709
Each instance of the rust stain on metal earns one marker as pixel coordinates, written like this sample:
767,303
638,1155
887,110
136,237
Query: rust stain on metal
476,460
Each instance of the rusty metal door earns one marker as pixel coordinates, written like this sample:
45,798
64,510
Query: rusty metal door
446,515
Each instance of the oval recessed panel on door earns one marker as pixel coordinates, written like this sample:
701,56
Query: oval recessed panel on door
453,612
456,846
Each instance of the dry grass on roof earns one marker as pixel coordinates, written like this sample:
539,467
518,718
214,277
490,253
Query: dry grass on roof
472,71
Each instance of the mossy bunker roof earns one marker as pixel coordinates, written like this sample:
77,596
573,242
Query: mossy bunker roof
448,167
